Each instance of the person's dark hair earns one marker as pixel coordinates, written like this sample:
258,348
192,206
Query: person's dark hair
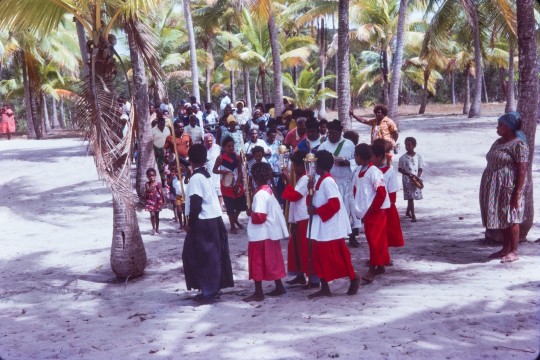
352,135
323,121
259,106
325,160
384,143
262,172
257,149
312,124
363,151
208,105
271,131
378,150
267,107
197,154
192,99
227,140
150,170
411,139
381,107
272,124
193,117
298,157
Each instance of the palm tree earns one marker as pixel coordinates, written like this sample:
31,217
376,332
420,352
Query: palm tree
96,108
192,52
528,95
344,80
397,61
305,93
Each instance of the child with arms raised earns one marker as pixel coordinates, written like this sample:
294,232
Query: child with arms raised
265,228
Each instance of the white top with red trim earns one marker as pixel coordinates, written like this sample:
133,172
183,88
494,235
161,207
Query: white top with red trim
275,226
365,189
298,209
338,226
390,179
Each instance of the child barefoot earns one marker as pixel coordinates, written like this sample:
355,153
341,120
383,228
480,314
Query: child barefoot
265,228
297,250
330,225
371,204
154,199
393,225
411,165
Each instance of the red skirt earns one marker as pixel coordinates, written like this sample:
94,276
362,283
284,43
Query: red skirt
294,256
393,227
265,260
375,230
332,260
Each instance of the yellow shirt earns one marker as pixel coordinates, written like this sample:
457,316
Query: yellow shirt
384,130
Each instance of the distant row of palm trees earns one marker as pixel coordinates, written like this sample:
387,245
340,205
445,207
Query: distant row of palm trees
263,45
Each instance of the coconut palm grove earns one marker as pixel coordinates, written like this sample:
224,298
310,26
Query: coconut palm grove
271,172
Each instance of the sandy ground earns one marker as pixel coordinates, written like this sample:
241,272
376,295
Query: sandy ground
442,299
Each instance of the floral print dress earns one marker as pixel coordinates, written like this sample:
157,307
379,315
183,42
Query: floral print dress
154,196
412,164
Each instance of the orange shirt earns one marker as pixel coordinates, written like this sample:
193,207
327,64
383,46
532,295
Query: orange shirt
182,144
384,131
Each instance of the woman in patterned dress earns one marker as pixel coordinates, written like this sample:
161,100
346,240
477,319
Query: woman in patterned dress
154,199
503,183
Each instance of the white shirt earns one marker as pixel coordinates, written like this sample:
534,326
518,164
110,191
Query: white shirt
298,209
210,118
366,189
275,227
224,102
260,142
159,136
338,226
204,187
346,152
242,118
391,180
195,132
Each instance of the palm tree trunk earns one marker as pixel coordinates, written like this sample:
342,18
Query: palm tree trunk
528,95
397,61
467,100
81,36
34,109
128,255
276,64
62,118
476,106
322,59
30,131
453,84
247,91
209,73
146,158
510,96
425,94
336,65
45,114
192,52
384,70
484,86
55,122
344,83
262,76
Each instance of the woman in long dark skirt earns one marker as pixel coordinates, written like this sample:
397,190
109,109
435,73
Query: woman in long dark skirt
207,265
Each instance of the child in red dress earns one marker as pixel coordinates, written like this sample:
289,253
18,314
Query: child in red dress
265,228
393,224
330,226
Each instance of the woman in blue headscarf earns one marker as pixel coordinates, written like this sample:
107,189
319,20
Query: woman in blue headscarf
503,183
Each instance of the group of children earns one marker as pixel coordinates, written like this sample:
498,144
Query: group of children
319,224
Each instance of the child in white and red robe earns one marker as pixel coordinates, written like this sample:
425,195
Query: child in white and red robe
371,204
297,250
393,225
265,228
330,226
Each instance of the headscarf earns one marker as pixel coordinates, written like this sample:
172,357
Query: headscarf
512,120
230,119
239,103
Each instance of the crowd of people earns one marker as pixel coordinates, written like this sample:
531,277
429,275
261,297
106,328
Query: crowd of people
297,177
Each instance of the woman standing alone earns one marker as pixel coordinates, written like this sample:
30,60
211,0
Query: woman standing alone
503,183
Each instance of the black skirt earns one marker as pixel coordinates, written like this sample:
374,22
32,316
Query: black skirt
207,265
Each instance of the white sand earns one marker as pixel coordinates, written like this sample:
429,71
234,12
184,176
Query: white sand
440,300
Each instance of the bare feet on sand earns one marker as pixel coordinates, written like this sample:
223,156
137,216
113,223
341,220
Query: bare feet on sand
498,255
298,280
510,257
320,293
277,292
353,288
254,297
